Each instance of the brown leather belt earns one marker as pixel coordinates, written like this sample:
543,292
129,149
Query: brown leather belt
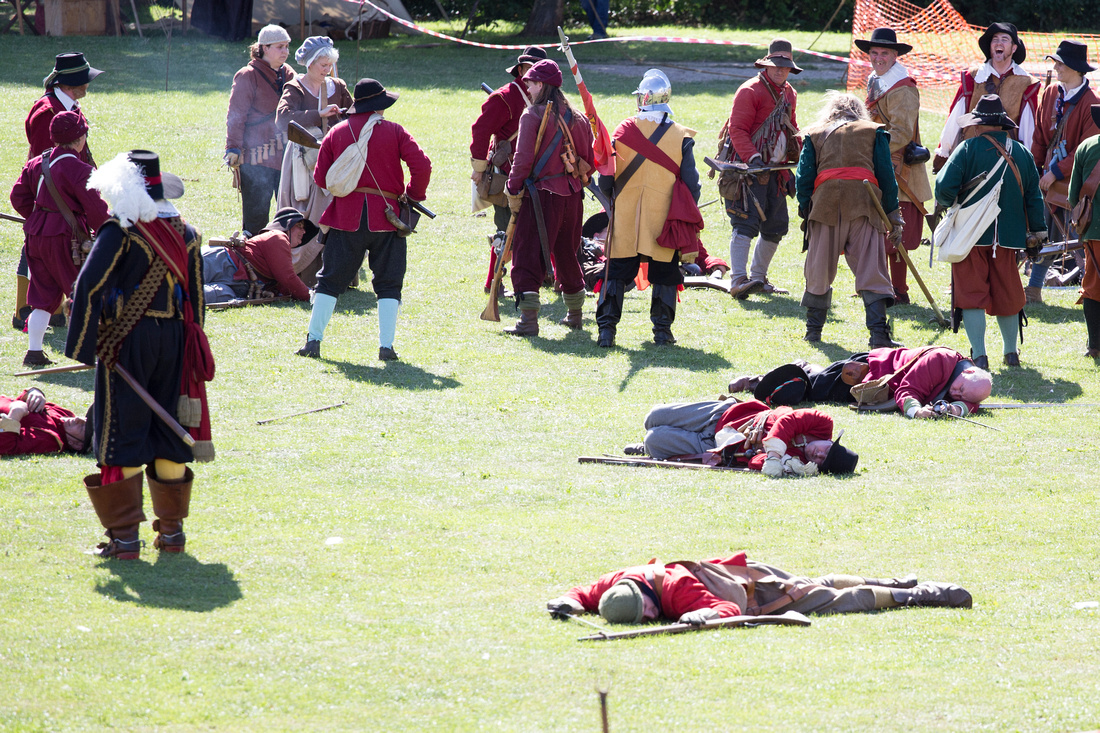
377,192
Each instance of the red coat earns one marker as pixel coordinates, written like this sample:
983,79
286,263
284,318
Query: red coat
552,177
269,254
39,432
38,122
923,381
1078,127
681,591
390,144
794,427
751,106
499,118
35,204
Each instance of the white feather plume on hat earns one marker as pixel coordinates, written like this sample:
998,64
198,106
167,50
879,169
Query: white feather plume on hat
122,185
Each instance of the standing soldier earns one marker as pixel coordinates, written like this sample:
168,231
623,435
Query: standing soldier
653,155
362,220
1064,121
762,130
548,198
1085,161
839,151
894,101
138,307
65,86
987,279
493,142
59,211
1001,74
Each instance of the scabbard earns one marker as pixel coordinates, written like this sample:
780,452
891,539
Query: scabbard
540,223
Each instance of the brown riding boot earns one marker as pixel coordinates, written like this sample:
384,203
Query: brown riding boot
1033,295
171,500
528,324
118,506
573,319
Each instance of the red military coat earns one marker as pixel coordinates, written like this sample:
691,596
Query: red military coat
499,119
681,591
38,122
1078,126
35,204
751,106
921,382
390,145
269,253
552,177
795,427
39,432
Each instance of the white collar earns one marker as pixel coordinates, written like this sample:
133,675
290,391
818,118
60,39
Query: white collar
64,98
653,116
1071,93
893,75
986,70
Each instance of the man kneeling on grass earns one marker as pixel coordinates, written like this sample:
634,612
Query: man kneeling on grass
695,592
780,442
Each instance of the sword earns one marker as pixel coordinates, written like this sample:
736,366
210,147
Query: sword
942,409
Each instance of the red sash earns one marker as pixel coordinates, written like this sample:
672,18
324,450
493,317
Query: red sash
847,173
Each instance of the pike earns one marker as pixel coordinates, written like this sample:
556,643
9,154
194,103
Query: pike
629,461
904,253
9,217
140,391
304,412
788,618
601,140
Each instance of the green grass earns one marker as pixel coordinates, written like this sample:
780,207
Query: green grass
451,478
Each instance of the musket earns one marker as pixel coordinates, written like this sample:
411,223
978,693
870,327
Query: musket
788,618
141,392
630,461
298,134
242,303
304,412
904,253
701,206
1031,405
492,308
1052,248
16,219
745,168
486,88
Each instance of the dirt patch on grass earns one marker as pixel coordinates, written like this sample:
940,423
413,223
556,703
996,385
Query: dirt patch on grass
681,73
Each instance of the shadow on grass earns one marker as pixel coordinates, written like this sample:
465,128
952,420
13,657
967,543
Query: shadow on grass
358,301
1048,313
178,582
1029,385
395,374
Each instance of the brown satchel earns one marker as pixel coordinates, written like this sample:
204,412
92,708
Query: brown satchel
878,390
1081,216
81,241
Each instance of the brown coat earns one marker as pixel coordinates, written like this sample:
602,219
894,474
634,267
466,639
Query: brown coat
850,145
250,121
301,106
1077,126
899,110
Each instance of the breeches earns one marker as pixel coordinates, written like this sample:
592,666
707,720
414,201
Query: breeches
52,272
683,429
862,247
625,269
562,216
1090,283
386,255
857,599
774,204
987,282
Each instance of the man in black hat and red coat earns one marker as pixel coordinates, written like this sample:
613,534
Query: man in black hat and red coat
1000,74
138,304
360,222
893,100
65,86
762,130
1064,121
50,253
493,140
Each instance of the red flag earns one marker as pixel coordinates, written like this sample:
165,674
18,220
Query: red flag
602,149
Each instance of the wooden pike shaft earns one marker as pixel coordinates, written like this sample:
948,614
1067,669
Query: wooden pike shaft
304,412
904,254
630,461
54,370
790,618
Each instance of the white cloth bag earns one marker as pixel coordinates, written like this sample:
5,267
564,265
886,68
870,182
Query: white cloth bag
964,222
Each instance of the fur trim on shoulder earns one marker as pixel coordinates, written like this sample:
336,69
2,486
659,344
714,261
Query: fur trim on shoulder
121,184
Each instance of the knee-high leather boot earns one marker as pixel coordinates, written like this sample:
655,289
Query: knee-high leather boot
118,506
662,311
609,310
874,305
171,500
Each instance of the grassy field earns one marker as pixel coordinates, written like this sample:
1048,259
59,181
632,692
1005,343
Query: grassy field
383,565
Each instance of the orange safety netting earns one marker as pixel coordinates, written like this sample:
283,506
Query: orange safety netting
944,45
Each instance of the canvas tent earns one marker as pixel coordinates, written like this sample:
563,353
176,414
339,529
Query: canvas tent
239,19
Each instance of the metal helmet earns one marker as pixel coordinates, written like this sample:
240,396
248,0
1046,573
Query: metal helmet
653,89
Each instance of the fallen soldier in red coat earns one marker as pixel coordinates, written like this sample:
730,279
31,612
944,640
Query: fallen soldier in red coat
723,587
780,442
29,425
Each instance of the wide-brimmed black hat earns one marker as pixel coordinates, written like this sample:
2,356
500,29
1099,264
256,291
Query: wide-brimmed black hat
286,217
595,224
784,385
986,40
883,38
160,184
1075,55
839,458
371,96
530,55
988,111
72,70
780,55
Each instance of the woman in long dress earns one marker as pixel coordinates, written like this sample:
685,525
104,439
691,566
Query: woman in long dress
316,100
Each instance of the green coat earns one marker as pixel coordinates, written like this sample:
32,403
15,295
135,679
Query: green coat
1021,211
1084,161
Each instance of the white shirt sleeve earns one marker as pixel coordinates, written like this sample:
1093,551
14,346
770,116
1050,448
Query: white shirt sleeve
951,129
